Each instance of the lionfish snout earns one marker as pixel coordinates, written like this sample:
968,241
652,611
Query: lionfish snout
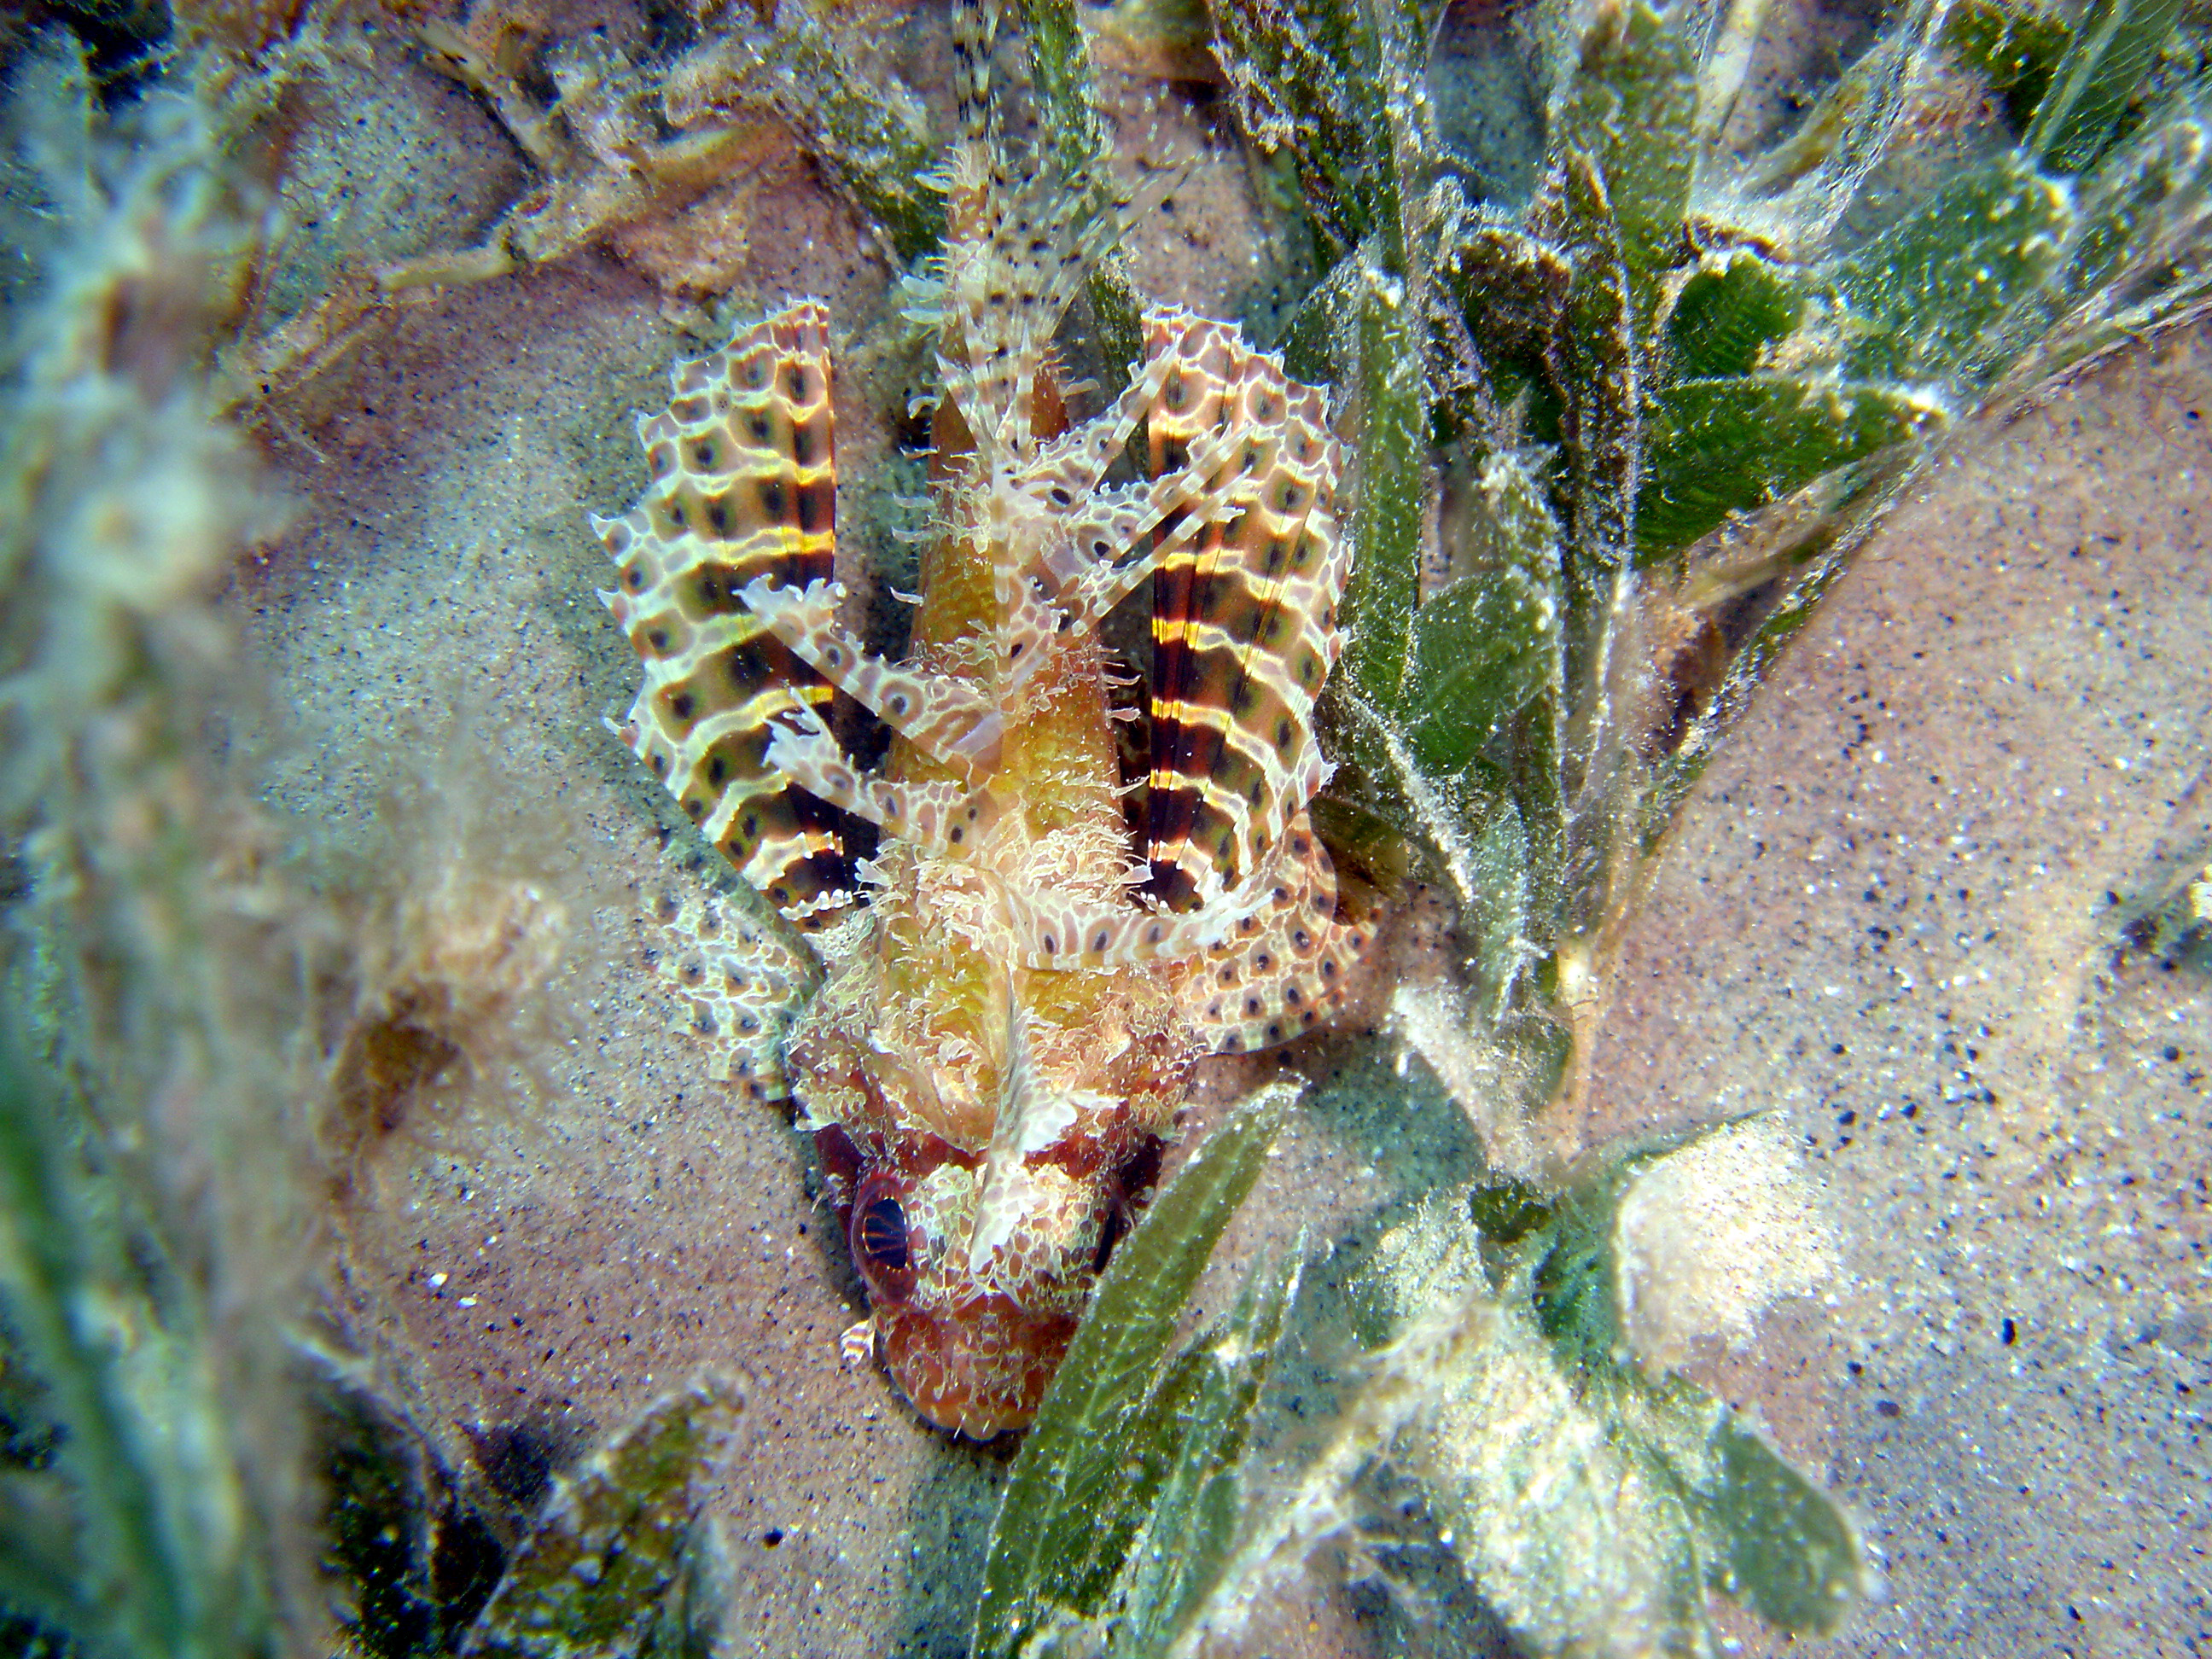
975,1271
981,1367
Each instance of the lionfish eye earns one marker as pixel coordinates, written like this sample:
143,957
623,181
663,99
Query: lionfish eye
880,1237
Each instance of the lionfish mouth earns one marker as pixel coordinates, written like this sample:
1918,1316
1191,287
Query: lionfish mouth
978,1370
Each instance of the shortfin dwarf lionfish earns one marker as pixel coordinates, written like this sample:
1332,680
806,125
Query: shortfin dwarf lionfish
1012,1001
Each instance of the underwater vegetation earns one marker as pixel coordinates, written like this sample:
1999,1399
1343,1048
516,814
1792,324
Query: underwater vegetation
1668,389
1622,389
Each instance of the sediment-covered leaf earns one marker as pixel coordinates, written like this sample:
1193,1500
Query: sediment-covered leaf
1922,294
1598,364
606,1569
868,131
1631,108
1131,1445
2115,44
1724,445
1330,82
1811,178
2014,45
1593,1497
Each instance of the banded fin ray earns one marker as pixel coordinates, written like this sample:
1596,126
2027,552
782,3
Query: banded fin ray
1121,534
936,814
944,717
744,489
1244,629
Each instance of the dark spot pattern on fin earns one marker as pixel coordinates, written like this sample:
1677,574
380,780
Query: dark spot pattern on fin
1243,617
1287,970
744,489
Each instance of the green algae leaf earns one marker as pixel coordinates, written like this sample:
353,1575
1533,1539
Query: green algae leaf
1060,65
104,1489
2114,46
1508,525
126,1539
2169,915
1300,92
1502,878
1632,108
1734,306
376,1473
1505,1211
1185,1543
1803,543
1724,445
1926,291
2012,45
604,1573
1572,1287
1792,1558
2135,261
1126,1441
1391,380
1482,649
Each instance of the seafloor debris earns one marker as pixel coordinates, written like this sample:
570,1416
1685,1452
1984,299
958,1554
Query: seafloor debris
149,1204
437,986
661,158
1593,1502
619,1563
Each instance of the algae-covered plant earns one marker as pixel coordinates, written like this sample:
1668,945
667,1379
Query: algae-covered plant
1674,388
374,1278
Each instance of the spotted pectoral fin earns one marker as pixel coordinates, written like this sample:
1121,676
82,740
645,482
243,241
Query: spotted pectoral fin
1244,629
737,986
1286,966
744,490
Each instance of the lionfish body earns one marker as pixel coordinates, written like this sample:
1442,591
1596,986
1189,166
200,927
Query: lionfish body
1016,986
